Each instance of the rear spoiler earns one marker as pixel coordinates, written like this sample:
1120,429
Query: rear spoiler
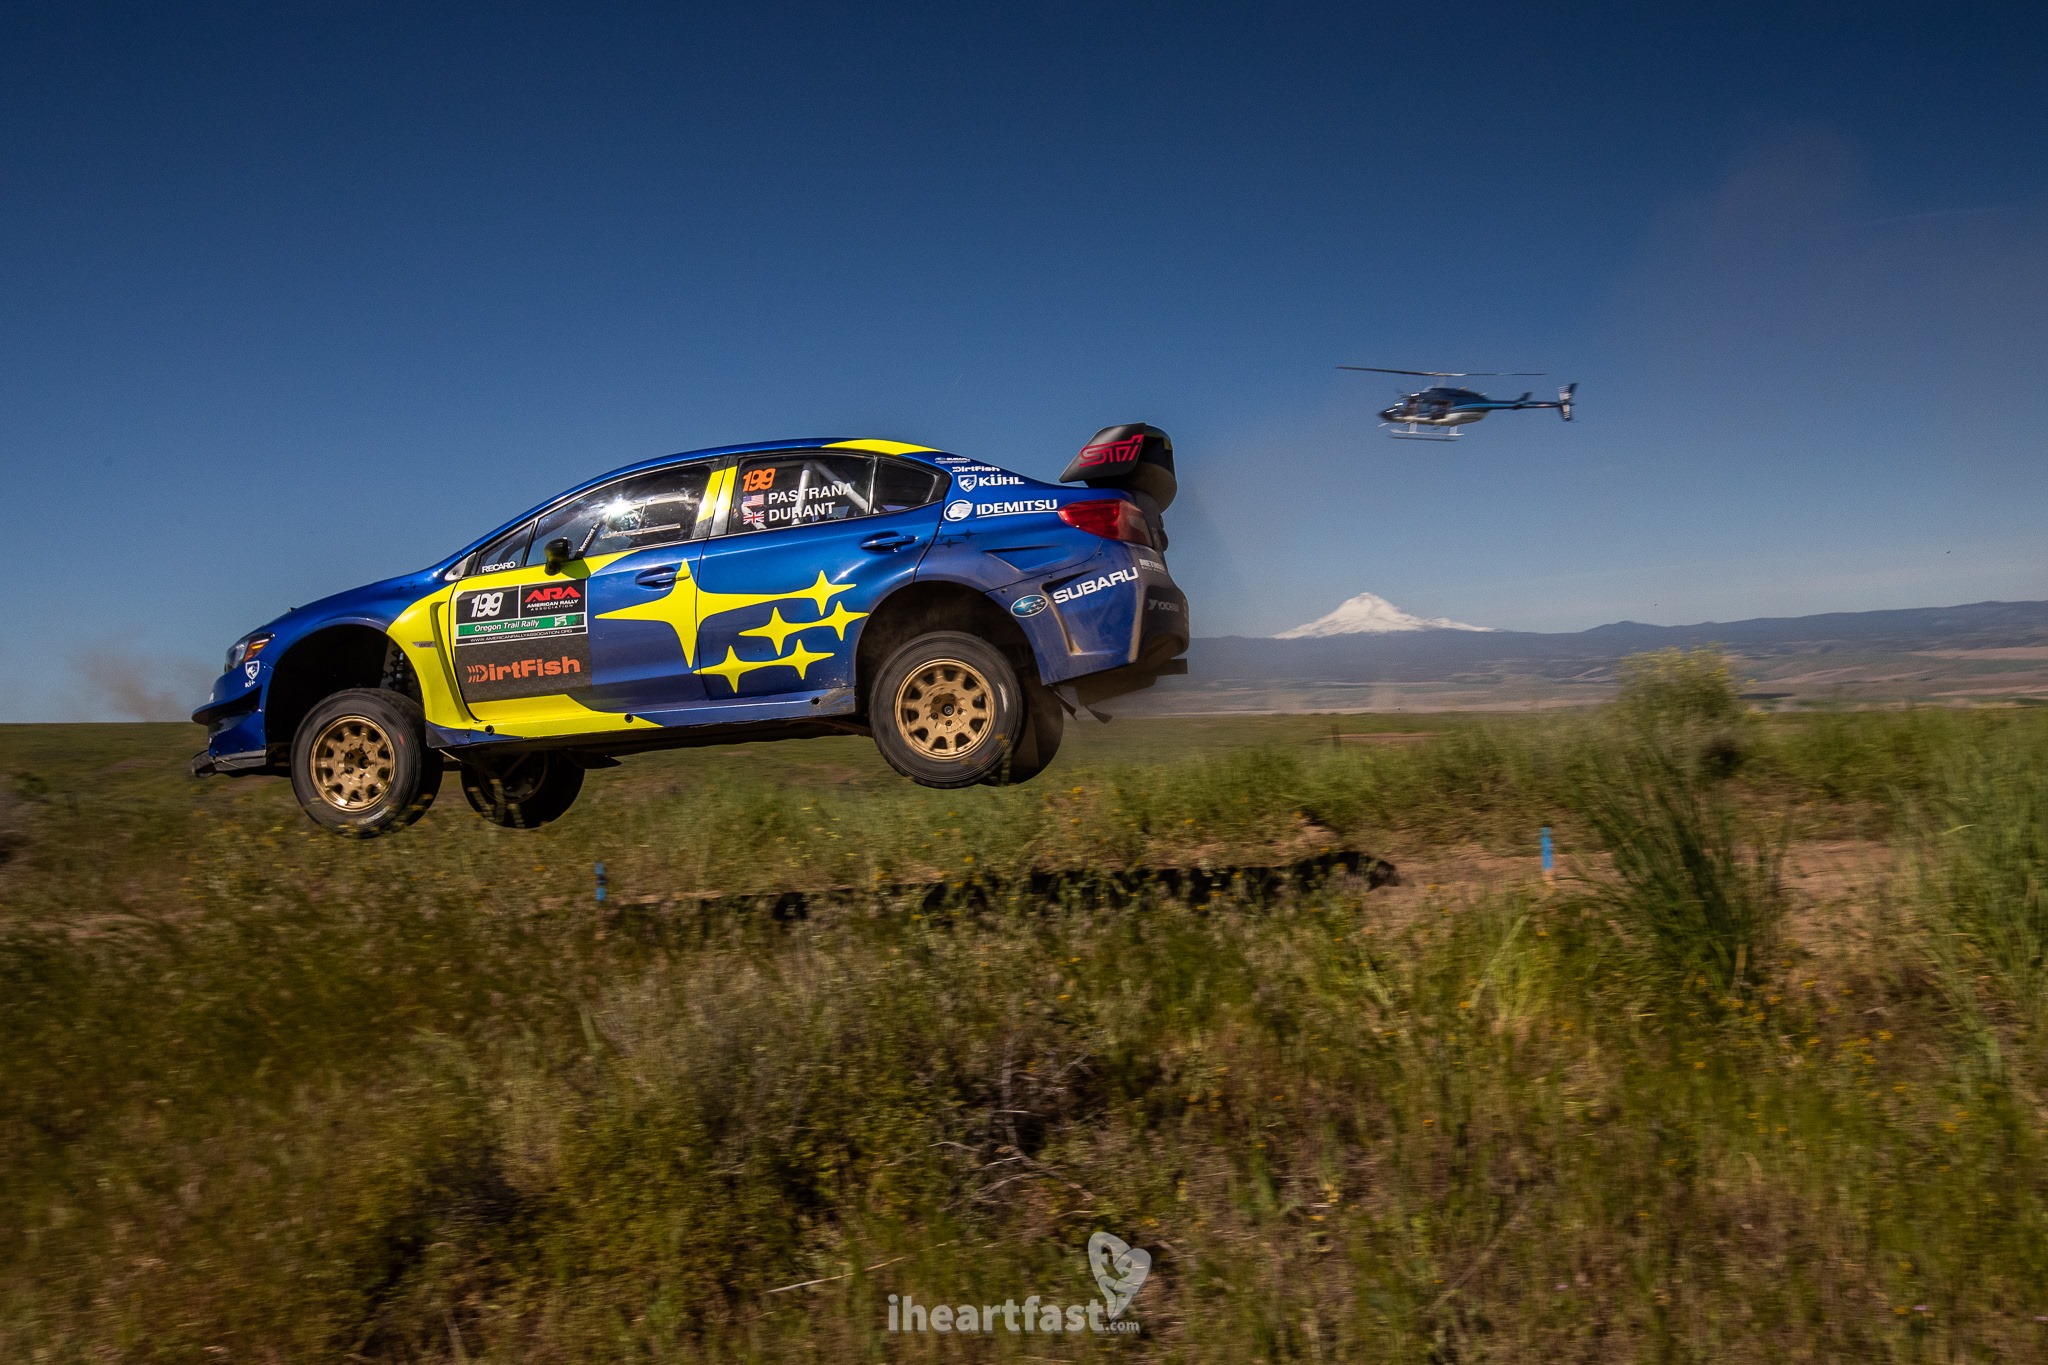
1134,457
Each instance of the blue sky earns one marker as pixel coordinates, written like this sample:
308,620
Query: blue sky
297,297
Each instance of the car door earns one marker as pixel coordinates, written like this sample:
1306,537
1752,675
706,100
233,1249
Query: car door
539,646
811,541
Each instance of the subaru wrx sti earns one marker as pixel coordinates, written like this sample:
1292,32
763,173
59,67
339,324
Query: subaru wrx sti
955,611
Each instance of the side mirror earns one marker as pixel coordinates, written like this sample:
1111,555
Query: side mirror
559,552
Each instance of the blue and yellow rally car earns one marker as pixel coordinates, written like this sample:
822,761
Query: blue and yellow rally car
955,611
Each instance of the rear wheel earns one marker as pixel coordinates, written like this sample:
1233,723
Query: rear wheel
948,710
360,763
1044,723
523,791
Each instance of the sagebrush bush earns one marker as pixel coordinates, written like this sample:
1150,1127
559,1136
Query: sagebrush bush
1694,879
1669,687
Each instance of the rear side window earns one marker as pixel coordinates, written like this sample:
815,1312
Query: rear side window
506,552
656,508
901,485
776,492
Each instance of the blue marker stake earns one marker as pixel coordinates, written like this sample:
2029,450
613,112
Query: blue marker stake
600,874
1549,865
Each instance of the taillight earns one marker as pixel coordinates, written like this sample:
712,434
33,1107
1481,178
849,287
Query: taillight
1111,518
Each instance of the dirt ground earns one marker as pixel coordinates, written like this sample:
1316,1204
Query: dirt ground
1836,885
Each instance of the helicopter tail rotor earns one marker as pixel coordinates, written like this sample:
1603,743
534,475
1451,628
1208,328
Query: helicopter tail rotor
1564,401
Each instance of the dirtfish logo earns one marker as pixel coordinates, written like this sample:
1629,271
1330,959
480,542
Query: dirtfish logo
1120,1270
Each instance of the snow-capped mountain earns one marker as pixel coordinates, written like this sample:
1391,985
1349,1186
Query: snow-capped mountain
1367,614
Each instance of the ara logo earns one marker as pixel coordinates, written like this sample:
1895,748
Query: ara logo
969,482
553,595
1028,605
960,510
1074,592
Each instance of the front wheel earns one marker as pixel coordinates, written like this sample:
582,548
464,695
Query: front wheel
524,791
360,763
948,710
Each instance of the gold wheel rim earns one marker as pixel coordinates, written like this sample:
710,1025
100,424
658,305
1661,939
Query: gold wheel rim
945,709
353,763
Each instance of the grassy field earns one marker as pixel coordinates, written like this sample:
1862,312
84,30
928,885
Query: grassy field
269,1096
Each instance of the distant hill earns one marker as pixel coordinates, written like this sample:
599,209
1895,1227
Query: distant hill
1980,651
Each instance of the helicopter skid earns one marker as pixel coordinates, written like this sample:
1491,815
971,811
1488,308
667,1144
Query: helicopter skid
1417,434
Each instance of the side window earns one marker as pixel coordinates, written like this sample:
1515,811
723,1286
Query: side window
506,552
901,485
775,492
655,508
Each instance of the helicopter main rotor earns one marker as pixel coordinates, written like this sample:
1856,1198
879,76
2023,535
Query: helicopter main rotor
1450,374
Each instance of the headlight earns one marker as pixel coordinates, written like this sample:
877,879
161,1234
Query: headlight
245,649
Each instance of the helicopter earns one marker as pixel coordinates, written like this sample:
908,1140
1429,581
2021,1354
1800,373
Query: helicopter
1447,408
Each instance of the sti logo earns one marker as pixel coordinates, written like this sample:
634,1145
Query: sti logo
1074,592
549,596
1112,452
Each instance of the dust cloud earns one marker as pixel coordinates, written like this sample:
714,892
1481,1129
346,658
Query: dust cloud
120,685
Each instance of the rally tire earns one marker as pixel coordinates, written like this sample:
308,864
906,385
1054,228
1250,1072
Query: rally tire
522,791
1045,721
947,710
360,763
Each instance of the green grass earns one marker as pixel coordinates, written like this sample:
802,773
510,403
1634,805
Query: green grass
267,1095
